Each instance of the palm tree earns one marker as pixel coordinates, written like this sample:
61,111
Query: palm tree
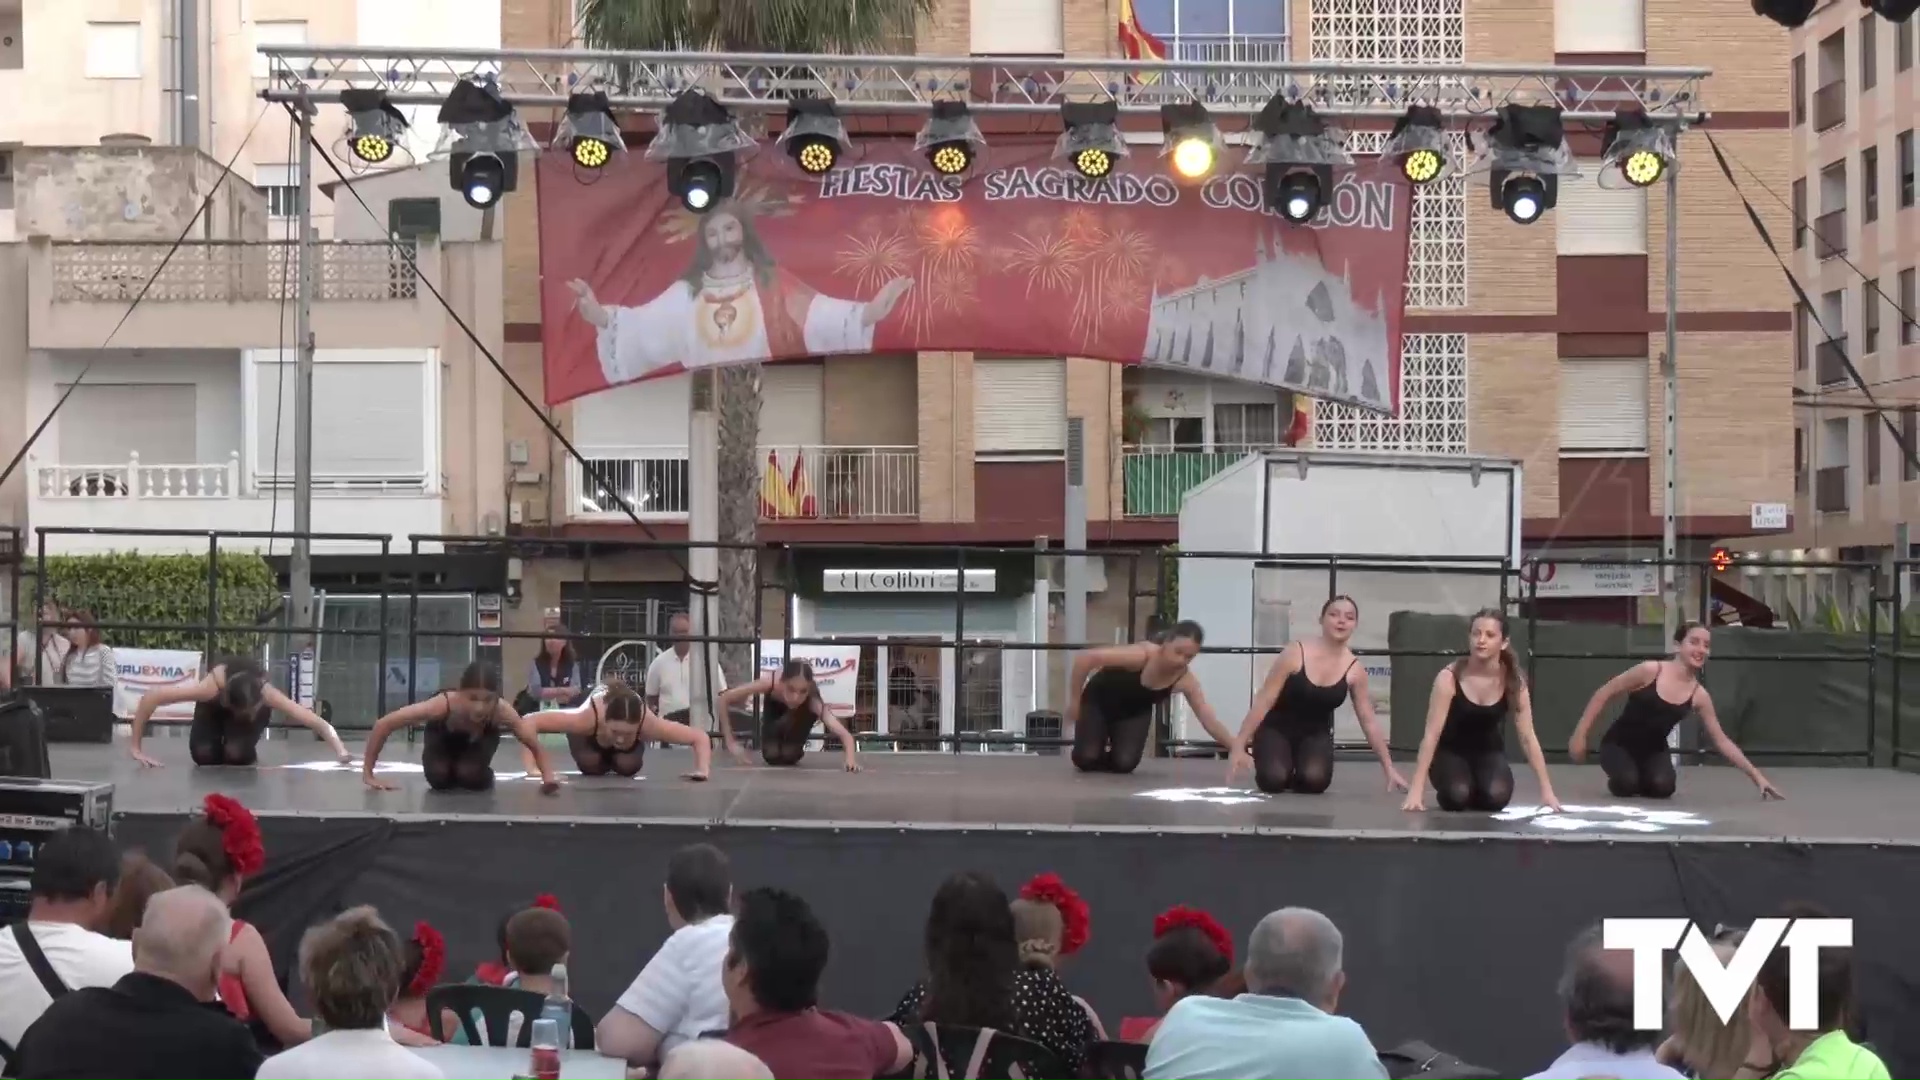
787,26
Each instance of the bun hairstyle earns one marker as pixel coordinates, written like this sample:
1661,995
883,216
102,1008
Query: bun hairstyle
224,842
480,675
1037,930
1339,599
797,669
622,705
1190,950
1185,629
245,685
1075,920
1510,671
1680,632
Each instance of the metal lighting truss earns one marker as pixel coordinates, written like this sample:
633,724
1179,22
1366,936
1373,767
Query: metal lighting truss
766,82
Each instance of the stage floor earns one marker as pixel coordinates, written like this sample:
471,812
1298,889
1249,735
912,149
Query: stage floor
1014,792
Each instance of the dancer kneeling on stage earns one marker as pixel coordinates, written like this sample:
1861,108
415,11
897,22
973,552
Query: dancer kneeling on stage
1111,715
232,705
1288,731
1464,748
1634,752
789,707
462,733
610,731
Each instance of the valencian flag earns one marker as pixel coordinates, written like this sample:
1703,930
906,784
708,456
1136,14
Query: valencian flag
1136,43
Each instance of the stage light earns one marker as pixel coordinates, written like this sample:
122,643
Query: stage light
1299,152
1092,139
1524,198
374,126
1636,149
1893,10
482,179
1418,143
1788,13
815,138
1527,152
482,143
700,141
589,131
1190,139
951,139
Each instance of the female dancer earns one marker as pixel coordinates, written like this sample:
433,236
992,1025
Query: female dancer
463,731
1634,752
1110,715
609,733
789,707
219,851
1288,732
1464,748
232,705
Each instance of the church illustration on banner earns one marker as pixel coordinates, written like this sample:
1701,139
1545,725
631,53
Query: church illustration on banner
1284,322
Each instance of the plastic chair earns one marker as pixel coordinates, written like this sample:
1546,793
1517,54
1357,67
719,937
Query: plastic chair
497,1006
1115,1061
952,1052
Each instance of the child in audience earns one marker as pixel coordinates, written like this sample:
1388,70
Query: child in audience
538,939
1191,954
1701,1045
426,956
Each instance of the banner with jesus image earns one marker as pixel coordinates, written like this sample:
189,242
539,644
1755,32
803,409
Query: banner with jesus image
1027,258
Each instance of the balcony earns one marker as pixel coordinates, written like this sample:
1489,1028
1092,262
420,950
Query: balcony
1830,234
797,483
1228,48
228,294
1830,361
1830,105
1155,478
1830,490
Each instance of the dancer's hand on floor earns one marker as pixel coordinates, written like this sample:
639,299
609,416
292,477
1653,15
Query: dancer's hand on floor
853,766
1395,782
378,784
1414,804
738,754
1237,756
146,761
1767,790
1552,802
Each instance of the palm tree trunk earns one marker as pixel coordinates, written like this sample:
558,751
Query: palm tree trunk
737,409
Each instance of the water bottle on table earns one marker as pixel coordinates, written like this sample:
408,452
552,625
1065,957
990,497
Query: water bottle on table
546,1050
559,1007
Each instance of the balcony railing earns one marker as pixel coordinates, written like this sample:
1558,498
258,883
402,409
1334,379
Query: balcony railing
1830,105
1155,478
1830,361
797,483
1830,234
228,271
131,479
1228,48
1830,490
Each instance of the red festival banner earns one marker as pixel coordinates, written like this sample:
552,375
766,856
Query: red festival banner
1027,258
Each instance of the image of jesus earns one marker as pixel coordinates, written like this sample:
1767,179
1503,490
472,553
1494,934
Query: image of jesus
732,305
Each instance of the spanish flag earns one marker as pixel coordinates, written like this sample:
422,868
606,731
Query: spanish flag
800,489
776,490
1136,43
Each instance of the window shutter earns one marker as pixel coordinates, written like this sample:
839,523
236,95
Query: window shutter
370,416
107,423
791,405
1019,407
1599,26
643,414
1018,28
1593,220
1603,406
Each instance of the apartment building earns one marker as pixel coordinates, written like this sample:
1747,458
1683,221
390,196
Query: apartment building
1538,343
1855,105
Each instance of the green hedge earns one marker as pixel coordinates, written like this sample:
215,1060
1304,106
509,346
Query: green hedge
164,590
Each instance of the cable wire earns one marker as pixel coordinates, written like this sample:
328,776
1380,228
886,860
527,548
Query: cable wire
280,356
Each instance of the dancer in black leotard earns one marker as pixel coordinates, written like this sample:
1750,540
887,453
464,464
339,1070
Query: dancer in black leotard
1288,732
231,707
789,707
1634,752
1111,714
609,732
462,733
1464,748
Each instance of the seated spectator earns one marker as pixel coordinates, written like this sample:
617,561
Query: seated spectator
140,879
499,972
538,940
1050,924
162,1020
1596,990
712,1059
88,660
1283,1026
1191,954
1700,1043
775,957
677,996
71,892
425,957
352,965
974,977
1826,1053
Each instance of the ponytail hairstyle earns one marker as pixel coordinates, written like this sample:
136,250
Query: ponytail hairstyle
1075,920
1191,950
1340,598
801,669
245,684
1184,630
481,675
222,843
1515,680
622,704
426,958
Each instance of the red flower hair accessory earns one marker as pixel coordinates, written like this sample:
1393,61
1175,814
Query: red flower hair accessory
239,834
1180,916
433,959
1075,921
547,900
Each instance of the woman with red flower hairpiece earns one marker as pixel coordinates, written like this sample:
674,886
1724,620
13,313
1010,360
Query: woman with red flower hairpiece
426,953
1191,954
1050,923
219,851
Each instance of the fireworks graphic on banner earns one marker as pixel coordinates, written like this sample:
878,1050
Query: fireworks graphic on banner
936,247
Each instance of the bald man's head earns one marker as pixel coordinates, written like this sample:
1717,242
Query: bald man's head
1298,952
181,938
1597,989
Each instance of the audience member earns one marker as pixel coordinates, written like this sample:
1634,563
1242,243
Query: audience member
712,1059
538,939
155,1022
1596,990
1191,954
88,660
975,978
1826,1053
776,954
140,879
425,957
352,966
499,972
677,996
1283,1026
1050,924
71,891
1700,1043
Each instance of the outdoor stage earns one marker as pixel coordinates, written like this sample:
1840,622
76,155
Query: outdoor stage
1455,923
